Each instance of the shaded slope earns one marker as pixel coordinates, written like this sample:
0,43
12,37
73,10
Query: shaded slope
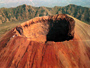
20,51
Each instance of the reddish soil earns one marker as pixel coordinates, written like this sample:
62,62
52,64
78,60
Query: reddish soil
36,44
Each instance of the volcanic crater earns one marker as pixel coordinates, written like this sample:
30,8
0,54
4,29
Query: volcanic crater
48,28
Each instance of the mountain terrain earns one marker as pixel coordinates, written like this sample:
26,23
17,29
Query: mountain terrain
59,41
23,12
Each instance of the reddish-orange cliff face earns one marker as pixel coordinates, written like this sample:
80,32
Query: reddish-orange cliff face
47,42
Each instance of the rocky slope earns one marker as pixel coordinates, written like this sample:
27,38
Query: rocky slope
27,46
23,12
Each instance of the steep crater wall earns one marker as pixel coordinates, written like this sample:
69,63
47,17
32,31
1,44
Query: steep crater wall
48,28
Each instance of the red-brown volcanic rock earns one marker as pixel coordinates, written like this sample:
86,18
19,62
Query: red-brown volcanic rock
32,44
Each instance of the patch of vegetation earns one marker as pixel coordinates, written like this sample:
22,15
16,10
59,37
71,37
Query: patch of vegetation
27,12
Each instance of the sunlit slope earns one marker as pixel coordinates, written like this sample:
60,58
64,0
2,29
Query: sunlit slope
82,30
21,52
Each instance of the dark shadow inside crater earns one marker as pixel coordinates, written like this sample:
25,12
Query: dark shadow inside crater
59,31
